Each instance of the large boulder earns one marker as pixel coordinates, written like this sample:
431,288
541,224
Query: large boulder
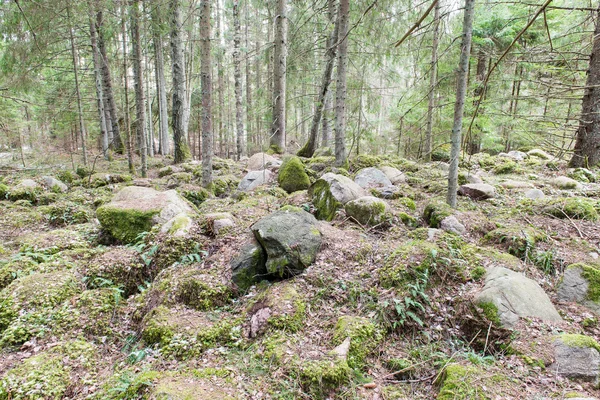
54,184
581,284
372,178
27,189
292,175
254,179
260,161
249,266
367,210
577,357
515,155
477,191
331,192
512,295
291,240
136,209
394,175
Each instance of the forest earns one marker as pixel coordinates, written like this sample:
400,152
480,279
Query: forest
283,199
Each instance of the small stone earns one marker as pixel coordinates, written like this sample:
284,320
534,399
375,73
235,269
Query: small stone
254,179
451,224
477,191
260,161
372,177
565,183
367,210
534,194
577,357
394,175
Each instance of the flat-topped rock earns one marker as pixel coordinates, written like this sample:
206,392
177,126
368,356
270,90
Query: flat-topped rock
393,174
260,161
477,191
331,192
254,179
371,178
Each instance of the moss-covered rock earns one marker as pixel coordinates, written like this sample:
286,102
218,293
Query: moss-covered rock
435,212
331,192
581,283
571,207
27,189
324,374
520,242
462,383
583,175
188,387
279,307
506,167
119,266
40,377
249,266
222,185
368,210
292,175
364,338
67,213
414,254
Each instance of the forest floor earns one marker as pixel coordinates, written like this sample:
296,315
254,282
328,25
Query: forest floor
83,316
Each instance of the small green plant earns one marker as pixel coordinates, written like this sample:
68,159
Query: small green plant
407,309
545,260
194,257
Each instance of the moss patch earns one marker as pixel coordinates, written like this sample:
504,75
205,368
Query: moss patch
292,175
571,207
364,338
435,212
579,341
459,384
40,377
125,224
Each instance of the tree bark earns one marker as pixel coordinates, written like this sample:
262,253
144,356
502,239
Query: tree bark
340,95
117,143
220,80
278,134
249,131
138,78
98,85
432,83
474,145
126,82
161,85
182,149
311,145
587,145
459,106
77,91
206,87
237,76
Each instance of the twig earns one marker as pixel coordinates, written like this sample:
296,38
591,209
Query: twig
416,25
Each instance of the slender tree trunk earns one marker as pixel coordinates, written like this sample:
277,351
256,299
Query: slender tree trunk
77,91
161,85
182,149
206,87
311,145
257,71
278,134
474,145
116,143
221,80
461,93
98,84
249,129
587,145
328,101
432,83
237,76
126,82
138,78
340,95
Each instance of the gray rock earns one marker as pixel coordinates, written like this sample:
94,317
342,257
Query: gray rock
219,221
51,183
394,175
516,296
331,192
451,224
517,155
474,179
477,191
388,192
565,183
260,161
574,287
371,178
367,210
444,166
249,266
575,357
178,226
27,184
535,194
291,240
254,179
511,184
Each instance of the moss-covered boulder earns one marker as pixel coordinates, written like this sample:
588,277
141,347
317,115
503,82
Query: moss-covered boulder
435,212
581,283
469,382
539,153
412,255
364,336
577,357
135,210
291,240
279,307
368,210
583,175
119,266
43,376
53,184
477,191
565,183
331,192
249,266
27,189
506,167
571,207
292,175
517,241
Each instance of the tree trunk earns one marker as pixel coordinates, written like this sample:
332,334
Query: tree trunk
328,101
340,95
461,93
277,142
237,76
221,80
249,129
161,85
117,143
77,91
138,78
182,149
98,84
587,145
257,70
206,87
126,82
474,145
311,145
432,83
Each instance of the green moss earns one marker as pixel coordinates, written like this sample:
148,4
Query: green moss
367,212
592,276
224,184
459,384
364,338
4,190
196,197
579,341
408,203
195,293
435,212
408,220
125,224
415,254
39,377
491,312
66,213
506,167
520,242
583,175
364,161
325,374
571,207
323,200
292,175
25,193
477,273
